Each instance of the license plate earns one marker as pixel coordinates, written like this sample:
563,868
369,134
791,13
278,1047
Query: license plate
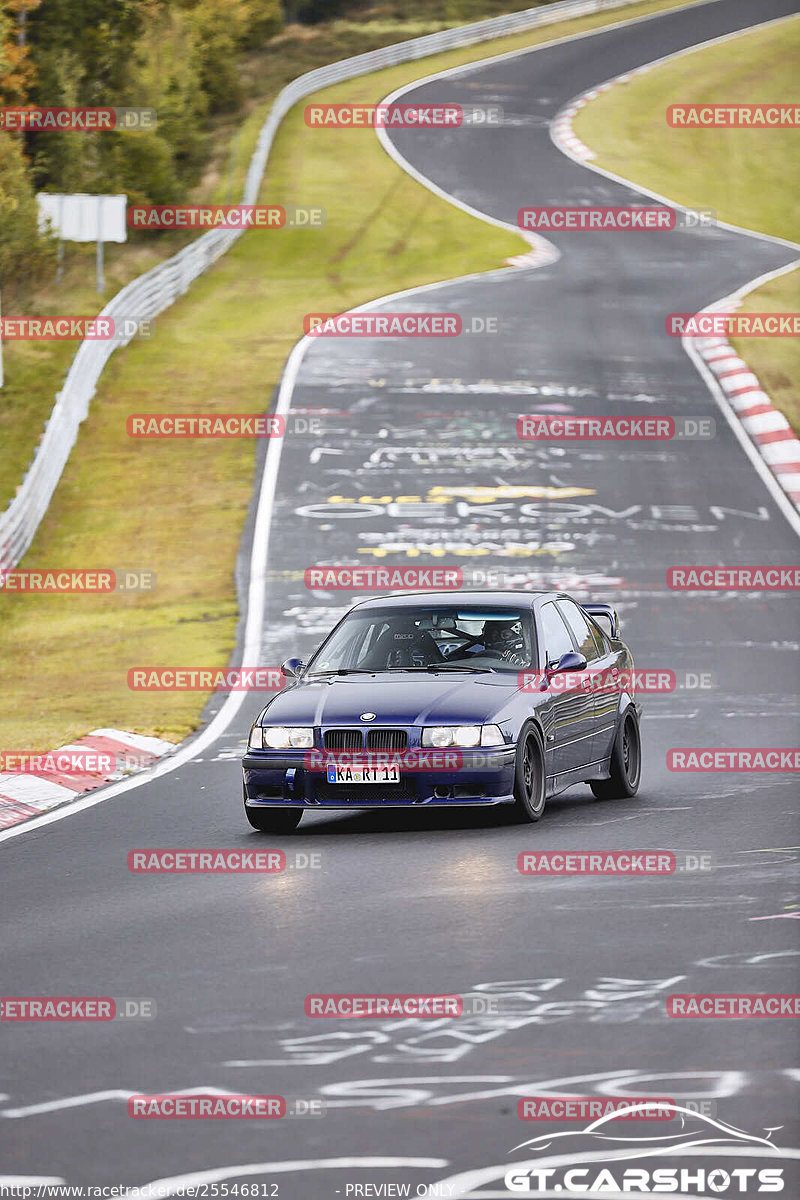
387,774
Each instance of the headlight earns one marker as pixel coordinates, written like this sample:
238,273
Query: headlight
256,739
277,737
465,736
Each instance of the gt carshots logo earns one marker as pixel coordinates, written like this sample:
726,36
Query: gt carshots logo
599,1159
697,1181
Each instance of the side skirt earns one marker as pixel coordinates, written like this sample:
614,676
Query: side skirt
601,769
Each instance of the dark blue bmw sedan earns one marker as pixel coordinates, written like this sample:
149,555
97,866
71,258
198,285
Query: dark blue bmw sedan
443,698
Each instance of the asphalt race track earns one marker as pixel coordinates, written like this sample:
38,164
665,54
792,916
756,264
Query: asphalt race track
432,902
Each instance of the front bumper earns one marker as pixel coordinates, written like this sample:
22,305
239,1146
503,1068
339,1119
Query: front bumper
281,779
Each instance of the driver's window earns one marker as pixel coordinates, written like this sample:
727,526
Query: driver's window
556,635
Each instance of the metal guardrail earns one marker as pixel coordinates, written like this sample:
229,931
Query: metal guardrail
148,295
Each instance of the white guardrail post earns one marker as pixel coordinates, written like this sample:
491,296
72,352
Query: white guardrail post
153,292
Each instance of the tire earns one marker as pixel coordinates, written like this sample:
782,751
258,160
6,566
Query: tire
273,820
626,764
530,779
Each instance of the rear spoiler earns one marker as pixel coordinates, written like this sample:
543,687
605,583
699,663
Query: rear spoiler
604,610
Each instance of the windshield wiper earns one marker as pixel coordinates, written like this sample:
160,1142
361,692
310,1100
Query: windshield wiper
454,667
445,667
340,671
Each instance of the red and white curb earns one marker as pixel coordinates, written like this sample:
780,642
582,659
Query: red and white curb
542,254
561,129
23,796
766,427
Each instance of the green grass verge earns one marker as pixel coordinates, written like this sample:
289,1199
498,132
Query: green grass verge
748,177
177,508
34,372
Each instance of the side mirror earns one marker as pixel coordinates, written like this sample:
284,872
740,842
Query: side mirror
293,667
568,662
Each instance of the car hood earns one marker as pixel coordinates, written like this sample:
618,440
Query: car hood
413,699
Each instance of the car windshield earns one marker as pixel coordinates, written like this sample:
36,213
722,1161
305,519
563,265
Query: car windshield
424,638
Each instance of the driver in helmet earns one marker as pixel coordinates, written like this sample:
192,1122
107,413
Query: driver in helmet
501,639
505,637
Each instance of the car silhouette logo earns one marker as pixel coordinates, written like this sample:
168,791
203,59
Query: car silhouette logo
368,716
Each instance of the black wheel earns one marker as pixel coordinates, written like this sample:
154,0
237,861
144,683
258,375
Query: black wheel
626,764
530,782
273,820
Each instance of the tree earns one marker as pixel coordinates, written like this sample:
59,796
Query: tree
16,67
21,252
